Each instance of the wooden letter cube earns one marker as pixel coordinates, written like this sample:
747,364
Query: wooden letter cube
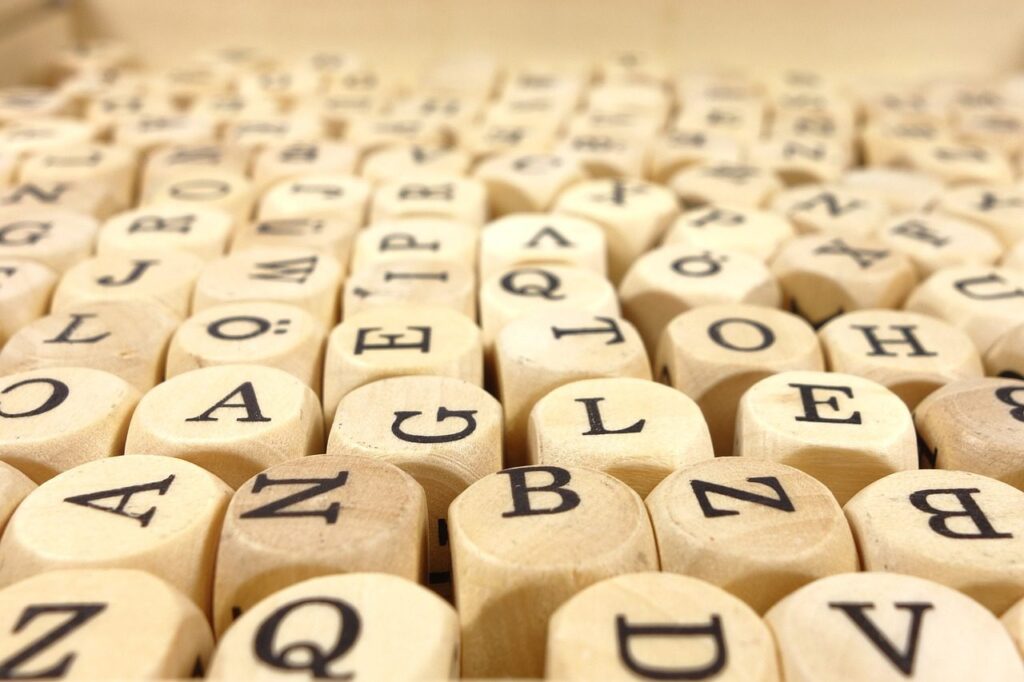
25,289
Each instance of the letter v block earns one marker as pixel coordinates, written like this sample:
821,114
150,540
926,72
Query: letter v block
157,514
682,629
887,627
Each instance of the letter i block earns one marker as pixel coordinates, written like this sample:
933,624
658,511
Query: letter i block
100,624
445,433
526,540
25,289
681,629
316,516
157,514
450,284
396,341
358,626
844,430
233,420
887,627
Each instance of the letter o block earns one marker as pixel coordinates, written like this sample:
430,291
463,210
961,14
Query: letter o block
844,430
524,541
357,626
682,628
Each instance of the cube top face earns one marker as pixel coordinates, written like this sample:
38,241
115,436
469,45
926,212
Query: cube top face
886,626
420,238
535,238
364,625
658,624
998,207
55,237
832,210
934,241
722,227
201,230
433,282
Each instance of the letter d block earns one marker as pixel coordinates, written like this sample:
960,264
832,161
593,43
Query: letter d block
524,541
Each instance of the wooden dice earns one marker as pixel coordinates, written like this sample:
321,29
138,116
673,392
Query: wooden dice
541,238
14,486
832,210
527,182
451,284
55,237
524,541
428,239
460,199
934,241
198,230
330,236
334,197
718,228
25,289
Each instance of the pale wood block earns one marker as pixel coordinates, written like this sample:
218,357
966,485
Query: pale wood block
725,183
189,82
982,300
644,430
1005,358
543,80
910,354
233,420
550,110
450,284
25,289
901,190
521,290
338,110
250,333
885,626
9,164
1013,258
741,120
528,182
112,167
633,214
14,487
332,237
603,155
290,160
799,161
630,97
427,239
128,339
399,340
844,430
452,111
226,190
162,278
526,540
832,210
658,626
540,352
285,86
460,199
934,241
25,102
894,141
617,122
523,239
672,279
723,228
1001,130
961,164
342,198
223,108
1013,621
444,432
717,85
96,55
146,132
715,352
306,278
107,108
633,71
157,514
998,208
469,74
198,230
326,63
314,516
823,276
361,625
164,163
807,126
370,133
237,59
974,425
85,196
360,79
494,137
757,529
63,625
258,132
38,135
681,148
904,523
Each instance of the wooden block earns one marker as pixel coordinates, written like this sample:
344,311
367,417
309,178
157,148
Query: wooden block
329,236
603,155
124,338
1013,258
426,239
158,278
684,147
908,353
392,164
156,514
742,120
165,163
450,284
998,208
998,130
961,164
369,133
532,110
928,543
222,108
146,132
524,239
832,210
291,160
199,230
798,161
885,626
972,416
25,289
87,197
303,277
26,102
106,108
759,530
616,121
257,132
112,167
631,74
451,110
901,190
1005,358
186,191
823,276
673,279
314,516
35,135
844,430
9,164
982,300
810,126
682,628
934,241
634,215
63,625
728,184
285,86
524,541
892,141
494,137
460,199
232,420
399,340
363,625
645,430
540,352
335,197
518,182
446,433
715,352
720,228
14,486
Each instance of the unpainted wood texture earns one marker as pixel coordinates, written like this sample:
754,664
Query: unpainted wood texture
25,290
523,183
722,228
428,239
522,239
55,237
451,198
451,284
199,230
